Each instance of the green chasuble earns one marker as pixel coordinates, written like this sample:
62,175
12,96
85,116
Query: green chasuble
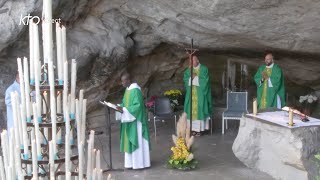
201,95
266,94
133,102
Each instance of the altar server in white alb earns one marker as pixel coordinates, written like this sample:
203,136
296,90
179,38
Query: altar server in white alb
134,135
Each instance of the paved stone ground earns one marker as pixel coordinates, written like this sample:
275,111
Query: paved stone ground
214,153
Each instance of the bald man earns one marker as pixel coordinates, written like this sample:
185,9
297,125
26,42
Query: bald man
270,85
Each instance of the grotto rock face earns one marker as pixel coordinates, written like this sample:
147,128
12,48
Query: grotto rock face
109,36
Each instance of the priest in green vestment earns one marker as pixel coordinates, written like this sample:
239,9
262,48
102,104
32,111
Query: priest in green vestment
134,132
270,85
201,96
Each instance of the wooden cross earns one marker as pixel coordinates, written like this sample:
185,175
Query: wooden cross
191,51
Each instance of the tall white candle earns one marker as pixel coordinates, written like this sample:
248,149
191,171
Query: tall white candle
100,175
81,162
5,146
65,85
59,102
64,44
2,174
80,102
23,96
98,164
34,159
68,175
45,102
15,113
93,158
38,95
36,49
53,105
17,160
59,53
12,150
73,86
31,52
89,161
67,141
36,131
94,174
78,122
27,88
69,104
83,120
51,159
25,137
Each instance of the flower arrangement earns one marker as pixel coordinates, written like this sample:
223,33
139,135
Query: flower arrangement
150,103
182,158
174,96
307,103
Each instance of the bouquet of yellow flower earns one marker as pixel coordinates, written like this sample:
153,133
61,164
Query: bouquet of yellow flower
174,96
182,158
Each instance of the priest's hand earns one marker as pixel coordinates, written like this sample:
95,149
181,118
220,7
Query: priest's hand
120,109
265,76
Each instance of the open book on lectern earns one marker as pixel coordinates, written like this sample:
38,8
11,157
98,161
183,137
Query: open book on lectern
113,106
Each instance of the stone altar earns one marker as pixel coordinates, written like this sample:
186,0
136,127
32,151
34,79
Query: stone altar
285,153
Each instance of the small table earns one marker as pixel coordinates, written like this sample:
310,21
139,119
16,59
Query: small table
265,142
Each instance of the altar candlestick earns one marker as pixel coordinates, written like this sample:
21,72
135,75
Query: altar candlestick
255,107
290,117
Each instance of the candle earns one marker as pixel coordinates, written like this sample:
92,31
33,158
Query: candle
11,150
5,152
15,113
68,176
65,85
24,137
51,159
34,159
17,160
69,105
100,175
80,102
27,89
53,105
290,117
45,102
59,53
93,157
89,161
59,102
78,113
67,141
36,131
83,120
80,152
98,164
73,86
47,30
64,44
2,174
94,174
31,52
38,96
109,177
255,107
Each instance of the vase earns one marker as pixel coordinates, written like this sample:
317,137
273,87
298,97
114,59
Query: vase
307,111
